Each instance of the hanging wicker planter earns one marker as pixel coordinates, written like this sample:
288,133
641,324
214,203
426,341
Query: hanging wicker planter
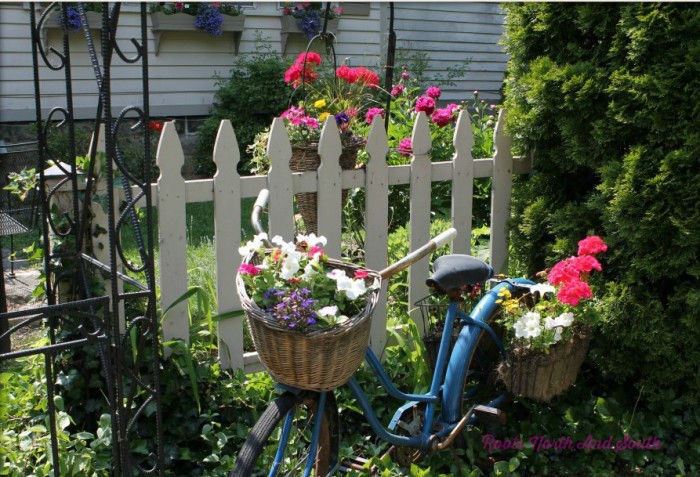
306,158
319,360
542,376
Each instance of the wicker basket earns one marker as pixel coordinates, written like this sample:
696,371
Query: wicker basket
306,158
320,360
540,376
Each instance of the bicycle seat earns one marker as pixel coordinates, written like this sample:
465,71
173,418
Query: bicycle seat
455,271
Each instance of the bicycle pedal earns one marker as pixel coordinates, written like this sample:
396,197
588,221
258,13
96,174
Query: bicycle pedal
490,414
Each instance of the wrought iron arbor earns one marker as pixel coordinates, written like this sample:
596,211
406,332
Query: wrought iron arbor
77,317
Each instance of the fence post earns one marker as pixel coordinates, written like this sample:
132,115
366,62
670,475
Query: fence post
279,182
172,237
377,224
329,186
501,189
420,196
463,184
227,233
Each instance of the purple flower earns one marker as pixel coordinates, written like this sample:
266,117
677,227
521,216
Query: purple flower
342,118
73,21
209,20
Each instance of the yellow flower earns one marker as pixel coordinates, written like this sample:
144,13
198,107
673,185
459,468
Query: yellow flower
321,103
323,116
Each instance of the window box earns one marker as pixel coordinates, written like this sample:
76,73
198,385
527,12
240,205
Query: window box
290,27
161,23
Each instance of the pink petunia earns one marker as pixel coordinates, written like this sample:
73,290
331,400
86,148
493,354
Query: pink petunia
405,147
573,292
591,245
314,250
248,269
372,112
426,104
434,92
361,273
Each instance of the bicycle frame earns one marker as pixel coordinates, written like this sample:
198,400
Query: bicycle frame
447,392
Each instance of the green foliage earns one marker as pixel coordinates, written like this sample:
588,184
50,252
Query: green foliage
250,98
604,98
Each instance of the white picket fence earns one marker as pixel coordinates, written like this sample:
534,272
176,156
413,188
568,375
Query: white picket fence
227,188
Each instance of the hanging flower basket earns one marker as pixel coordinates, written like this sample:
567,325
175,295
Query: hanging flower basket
306,158
541,376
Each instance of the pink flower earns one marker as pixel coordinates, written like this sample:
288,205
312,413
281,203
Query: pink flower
310,57
434,92
350,75
179,6
585,263
361,273
397,89
372,112
352,112
287,10
369,78
405,75
591,245
248,269
338,10
573,292
563,272
405,148
442,117
452,107
425,103
294,113
314,250
294,73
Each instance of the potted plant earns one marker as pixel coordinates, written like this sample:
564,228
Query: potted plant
214,18
93,15
346,94
306,18
549,329
308,314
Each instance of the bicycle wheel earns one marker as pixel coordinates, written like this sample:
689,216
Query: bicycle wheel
257,455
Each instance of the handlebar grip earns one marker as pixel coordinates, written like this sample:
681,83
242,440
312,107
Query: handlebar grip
263,197
446,237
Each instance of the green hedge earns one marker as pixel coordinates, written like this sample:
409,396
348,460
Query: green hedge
606,99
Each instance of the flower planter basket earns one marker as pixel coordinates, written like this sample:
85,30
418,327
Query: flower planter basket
181,22
320,360
540,376
306,158
289,27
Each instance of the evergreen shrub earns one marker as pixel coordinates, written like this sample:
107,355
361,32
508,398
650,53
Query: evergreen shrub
606,98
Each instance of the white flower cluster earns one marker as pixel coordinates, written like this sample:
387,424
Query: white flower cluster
530,324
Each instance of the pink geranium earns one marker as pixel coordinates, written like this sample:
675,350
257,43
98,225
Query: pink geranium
248,269
573,292
591,245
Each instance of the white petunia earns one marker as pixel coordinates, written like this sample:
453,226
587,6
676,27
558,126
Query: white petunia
328,311
312,239
254,244
356,289
557,334
279,241
564,320
528,325
290,266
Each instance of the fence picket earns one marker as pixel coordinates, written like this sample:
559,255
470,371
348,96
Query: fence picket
420,212
173,233
463,184
330,181
280,205
377,223
501,190
227,230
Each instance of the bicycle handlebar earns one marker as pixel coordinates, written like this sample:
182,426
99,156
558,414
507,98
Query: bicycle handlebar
434,244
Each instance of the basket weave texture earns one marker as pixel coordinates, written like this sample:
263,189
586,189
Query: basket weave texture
320,360
306,158
540,376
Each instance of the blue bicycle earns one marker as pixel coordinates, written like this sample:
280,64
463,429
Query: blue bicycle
298,433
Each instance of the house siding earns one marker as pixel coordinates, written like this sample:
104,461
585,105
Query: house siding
183,74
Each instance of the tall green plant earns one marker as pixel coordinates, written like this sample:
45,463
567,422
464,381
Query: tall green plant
250,98
604,98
